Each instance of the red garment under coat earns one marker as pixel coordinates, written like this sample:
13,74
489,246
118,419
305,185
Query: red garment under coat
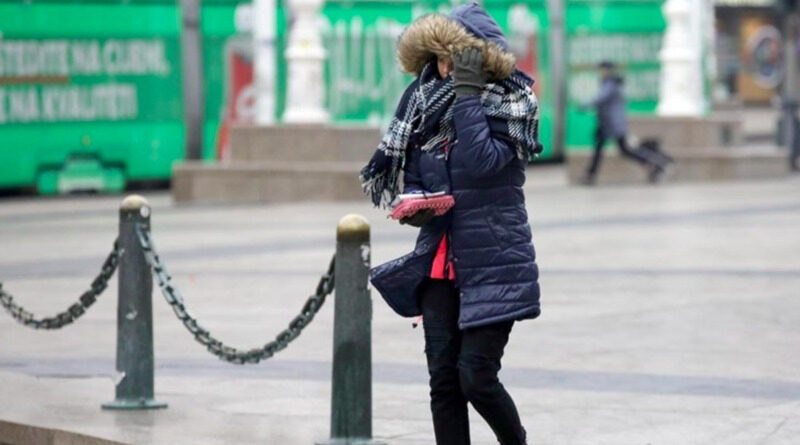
442,267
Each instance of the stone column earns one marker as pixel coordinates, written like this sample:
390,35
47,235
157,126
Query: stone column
558,69
681,87
305,58
192,77
264,73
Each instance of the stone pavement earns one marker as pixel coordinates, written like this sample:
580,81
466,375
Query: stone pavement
670,316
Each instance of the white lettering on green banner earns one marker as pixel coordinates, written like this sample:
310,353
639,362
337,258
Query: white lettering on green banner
59,80
54,103
23,58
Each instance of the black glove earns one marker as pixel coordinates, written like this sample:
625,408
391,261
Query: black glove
419,219
468,75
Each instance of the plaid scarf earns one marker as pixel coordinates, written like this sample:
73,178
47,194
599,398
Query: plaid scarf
426,108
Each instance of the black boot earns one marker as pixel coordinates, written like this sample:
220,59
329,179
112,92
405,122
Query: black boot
657,171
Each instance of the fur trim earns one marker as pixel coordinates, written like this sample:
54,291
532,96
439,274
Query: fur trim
435,34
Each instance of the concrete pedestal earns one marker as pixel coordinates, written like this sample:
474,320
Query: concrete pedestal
281,163
303,143
689,132
710,164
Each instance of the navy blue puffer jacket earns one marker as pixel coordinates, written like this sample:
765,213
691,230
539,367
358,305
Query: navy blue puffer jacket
610,103
490,237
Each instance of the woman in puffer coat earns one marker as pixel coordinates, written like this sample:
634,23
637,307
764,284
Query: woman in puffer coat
467,126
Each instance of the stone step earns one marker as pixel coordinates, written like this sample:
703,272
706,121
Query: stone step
266,181
307,143
717,130
710,164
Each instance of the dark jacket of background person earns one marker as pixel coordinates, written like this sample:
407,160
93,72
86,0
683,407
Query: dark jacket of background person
610,104
490,237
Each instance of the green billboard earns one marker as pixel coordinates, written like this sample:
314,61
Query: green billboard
90,95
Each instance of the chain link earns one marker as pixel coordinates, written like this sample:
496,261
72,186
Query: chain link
233,355
73,312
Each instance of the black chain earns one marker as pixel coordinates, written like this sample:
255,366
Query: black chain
75,310
214,346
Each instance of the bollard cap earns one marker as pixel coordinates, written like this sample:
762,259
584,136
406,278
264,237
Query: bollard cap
136,203
352,227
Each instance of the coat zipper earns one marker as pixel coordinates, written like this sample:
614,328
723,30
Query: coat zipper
448,257
449,253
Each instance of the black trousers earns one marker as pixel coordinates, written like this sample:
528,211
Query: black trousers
600,140
463,368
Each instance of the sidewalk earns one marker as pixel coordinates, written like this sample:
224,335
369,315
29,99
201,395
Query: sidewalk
669,317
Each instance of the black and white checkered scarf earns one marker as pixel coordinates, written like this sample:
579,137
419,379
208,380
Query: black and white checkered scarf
426,108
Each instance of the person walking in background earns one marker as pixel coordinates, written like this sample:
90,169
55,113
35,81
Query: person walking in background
466,126
612,123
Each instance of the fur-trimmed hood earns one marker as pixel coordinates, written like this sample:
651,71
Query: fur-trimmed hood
439,35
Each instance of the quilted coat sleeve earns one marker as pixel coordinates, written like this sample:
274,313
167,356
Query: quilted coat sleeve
482,142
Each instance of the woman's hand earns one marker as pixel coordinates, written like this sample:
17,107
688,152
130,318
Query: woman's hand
420,218
468,75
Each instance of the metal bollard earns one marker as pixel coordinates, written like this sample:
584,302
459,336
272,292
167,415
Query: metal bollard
351,392
134,313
